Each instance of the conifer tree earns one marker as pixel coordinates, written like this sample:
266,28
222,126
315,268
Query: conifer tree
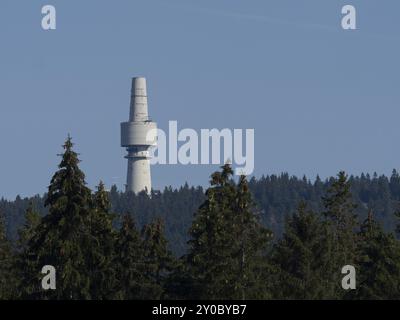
342,235
159,261
379,270
101,255
249,241
129,262
27,231
301,258
179,284
7,275
24,263
210,247
62,239
227,242
397,216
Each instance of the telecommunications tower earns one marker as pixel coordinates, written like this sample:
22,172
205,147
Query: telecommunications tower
138,135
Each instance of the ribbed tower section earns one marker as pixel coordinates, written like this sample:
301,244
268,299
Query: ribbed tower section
138,136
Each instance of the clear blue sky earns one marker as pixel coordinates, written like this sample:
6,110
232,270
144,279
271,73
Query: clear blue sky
320,99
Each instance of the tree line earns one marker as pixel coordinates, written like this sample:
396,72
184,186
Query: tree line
230,253
276,196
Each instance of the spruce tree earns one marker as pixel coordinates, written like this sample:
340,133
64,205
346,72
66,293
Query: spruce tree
379,270
24,263
7,275
27,231
62,239
249,241
210,247
129,262
301,258
342,235
102,238
228,244
179,284
159,261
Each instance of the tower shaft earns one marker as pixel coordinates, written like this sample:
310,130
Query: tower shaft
139,176
138,136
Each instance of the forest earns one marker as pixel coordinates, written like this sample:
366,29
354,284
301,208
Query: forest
276,237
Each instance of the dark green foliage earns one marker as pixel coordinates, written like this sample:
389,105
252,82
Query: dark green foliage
25,265
28,230
250,245
379,267
180,284
342,239
276,196
14,213
174,207
228,243
209,253
129,262
63,239
143,262
100,257
301,258
7,276
159,261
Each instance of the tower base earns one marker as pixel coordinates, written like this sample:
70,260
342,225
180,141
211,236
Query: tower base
139,177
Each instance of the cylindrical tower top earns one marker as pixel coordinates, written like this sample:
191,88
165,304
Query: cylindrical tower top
139,110
139,87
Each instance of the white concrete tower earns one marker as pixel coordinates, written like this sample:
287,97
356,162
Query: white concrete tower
138,136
